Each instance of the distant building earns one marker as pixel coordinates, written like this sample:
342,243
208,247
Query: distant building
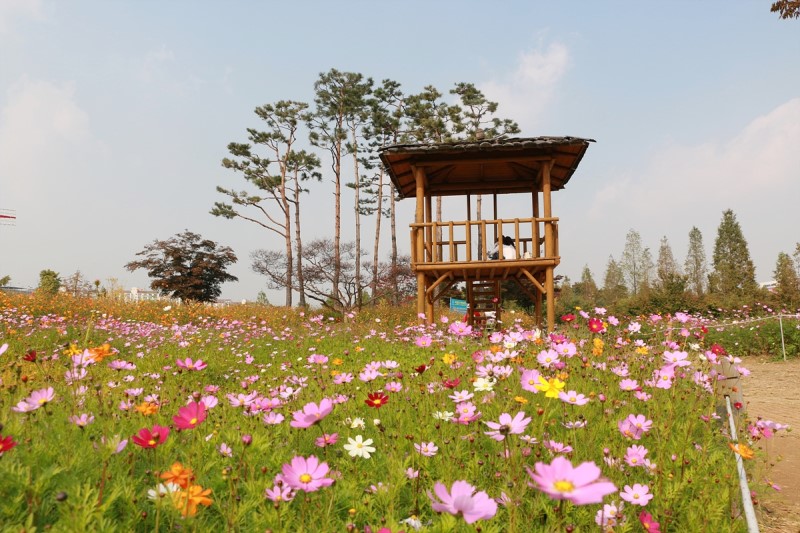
144,295
770,285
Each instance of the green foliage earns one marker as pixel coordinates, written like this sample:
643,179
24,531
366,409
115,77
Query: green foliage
46,485
696,265
5,280
734,275
49,282
787,290
186,267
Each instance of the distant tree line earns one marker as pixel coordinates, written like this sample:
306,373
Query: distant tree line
635,283
338,138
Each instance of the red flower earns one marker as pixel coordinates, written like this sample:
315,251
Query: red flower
569,317
190,416
150,438
596,325
6,443
650,525
30,356
420,369
716,349
451,383
738,405
376,399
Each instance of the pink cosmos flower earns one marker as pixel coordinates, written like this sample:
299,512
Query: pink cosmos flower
327,440
190,416
460,329
629,384
188,364
279,493
634,426
634,456
463,500
529,380
637,495
306,474
225,450
547,358
428,449
561,481
423,341
272,418
41,397
81,421
508,425
311,414
573,397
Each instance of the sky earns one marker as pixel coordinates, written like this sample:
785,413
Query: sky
115,116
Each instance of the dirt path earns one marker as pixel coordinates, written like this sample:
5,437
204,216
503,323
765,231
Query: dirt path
772,392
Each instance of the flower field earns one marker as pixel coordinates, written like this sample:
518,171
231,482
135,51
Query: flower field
140,418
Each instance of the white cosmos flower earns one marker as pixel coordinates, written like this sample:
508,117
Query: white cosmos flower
483,385
443,415
357,423
359,447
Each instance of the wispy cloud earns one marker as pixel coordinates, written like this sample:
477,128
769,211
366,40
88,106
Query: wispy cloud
762,157
12,9
527,92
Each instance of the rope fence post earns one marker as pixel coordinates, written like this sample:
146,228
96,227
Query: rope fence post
783,344
747,500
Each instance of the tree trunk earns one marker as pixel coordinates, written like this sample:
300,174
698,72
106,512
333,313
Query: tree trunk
301,285
357,187
393,223
375,250
337,237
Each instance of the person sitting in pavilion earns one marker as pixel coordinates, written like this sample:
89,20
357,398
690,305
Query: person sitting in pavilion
509,252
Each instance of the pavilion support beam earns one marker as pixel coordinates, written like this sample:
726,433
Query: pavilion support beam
549,247
419,245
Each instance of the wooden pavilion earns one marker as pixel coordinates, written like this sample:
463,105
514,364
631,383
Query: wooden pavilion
444,253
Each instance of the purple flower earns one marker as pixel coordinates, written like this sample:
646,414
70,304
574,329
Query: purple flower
428,449
561,481
463,500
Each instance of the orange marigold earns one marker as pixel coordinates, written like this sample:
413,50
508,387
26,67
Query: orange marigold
178,474
188,500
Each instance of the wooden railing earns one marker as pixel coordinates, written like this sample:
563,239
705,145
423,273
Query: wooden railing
470,241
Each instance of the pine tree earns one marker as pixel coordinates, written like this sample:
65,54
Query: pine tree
614,288
667,268
696,267
636,263
787,289
734,275
586,288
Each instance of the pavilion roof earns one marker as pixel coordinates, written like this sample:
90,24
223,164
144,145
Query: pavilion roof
491,166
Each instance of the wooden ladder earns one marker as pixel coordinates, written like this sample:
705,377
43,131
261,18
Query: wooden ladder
483,298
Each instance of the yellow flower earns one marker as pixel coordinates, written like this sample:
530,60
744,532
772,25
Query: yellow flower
598,346
449,358
550,387
359,349
335,373
742,450
337,362
520,399
72,350
147,408
642,350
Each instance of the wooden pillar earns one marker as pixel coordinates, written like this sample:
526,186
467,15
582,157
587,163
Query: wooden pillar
419,244
428,310
535,251
549,247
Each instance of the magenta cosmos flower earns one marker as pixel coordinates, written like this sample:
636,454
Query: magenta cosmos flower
561,481
150,438
508,425
190,416
188,364
306,474
311,413
463,500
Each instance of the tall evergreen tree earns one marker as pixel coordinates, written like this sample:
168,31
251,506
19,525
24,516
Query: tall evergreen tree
734,275
666,267
787,287
614,288
586,288
636,263
696,267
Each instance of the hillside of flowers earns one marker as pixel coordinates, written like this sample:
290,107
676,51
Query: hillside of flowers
118,417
